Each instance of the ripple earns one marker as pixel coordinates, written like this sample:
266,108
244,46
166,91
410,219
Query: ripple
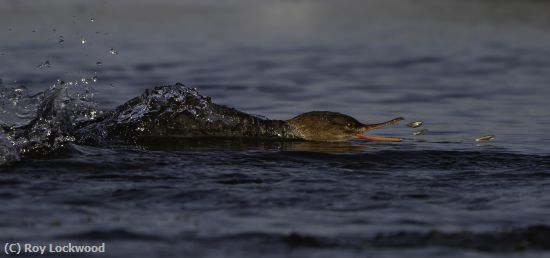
115,234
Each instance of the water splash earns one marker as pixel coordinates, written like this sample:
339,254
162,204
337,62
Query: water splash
43,122
176,99
66,113
18,107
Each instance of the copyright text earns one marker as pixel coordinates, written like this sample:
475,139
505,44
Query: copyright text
17,248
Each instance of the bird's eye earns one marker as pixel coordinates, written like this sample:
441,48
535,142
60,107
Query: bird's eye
348,125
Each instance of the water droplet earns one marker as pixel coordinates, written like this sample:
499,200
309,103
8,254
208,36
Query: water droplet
485,138
98,63
415,124
421,132
113,51
92,20
94,79
45,64
20,88
61,40
93,114
83,41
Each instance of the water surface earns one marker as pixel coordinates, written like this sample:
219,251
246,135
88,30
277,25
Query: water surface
465,68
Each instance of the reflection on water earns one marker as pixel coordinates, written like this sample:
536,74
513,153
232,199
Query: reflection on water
172,143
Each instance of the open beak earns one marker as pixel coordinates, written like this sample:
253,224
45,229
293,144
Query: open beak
377,126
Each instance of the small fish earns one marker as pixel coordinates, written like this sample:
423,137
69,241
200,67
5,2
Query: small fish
421,132
415,124
485,138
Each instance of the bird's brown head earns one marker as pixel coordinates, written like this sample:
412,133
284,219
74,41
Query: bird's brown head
332,126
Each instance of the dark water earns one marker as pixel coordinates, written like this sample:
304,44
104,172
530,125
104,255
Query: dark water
464,68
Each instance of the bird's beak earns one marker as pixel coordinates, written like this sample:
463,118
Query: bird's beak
368,127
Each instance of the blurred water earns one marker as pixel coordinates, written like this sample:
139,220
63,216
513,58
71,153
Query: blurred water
465,68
